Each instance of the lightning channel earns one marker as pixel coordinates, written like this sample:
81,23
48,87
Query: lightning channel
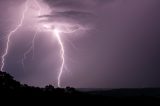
56,33
29,50
34,37
12,33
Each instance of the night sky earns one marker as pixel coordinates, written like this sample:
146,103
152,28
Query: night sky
117,47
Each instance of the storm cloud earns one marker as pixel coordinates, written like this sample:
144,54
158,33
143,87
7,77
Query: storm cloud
70,11
121,49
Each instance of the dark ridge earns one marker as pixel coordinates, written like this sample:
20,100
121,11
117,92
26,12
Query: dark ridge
12,88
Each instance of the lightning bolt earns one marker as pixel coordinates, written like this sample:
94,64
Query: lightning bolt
56,33
12,33
29,50
34,37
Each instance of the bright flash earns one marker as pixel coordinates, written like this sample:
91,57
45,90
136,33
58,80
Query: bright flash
54,28
56,33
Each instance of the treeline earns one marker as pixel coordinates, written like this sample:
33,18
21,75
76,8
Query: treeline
11,87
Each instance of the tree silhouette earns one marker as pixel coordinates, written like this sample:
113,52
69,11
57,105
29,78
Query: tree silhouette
7,81
9,86
49,88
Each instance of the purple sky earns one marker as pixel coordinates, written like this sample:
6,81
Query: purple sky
121,47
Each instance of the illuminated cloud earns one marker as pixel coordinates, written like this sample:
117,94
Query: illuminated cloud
69,12
122,50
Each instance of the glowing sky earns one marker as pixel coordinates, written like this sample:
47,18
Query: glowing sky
116,42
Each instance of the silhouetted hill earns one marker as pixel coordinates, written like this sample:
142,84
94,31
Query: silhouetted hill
12,88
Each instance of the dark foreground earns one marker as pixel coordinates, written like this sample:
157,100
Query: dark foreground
11,89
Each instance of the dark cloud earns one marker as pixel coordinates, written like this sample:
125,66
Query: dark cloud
73,13
78,4
64,3
80,11
70,17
